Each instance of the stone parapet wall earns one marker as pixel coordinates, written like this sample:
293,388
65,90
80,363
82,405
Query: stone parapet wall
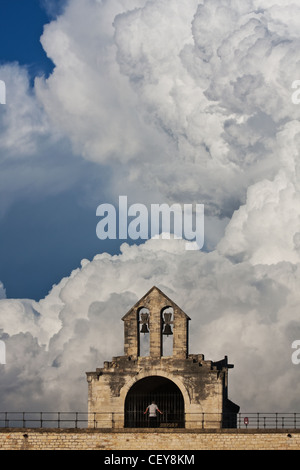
87,439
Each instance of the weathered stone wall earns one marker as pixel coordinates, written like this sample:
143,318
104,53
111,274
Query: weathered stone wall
155,302
200,382
164,440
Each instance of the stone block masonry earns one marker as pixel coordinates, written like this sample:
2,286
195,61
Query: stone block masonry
186,385
165,440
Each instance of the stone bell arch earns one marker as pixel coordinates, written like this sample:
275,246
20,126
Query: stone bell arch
192,390
157,324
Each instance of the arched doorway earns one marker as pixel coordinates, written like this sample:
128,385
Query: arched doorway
164,393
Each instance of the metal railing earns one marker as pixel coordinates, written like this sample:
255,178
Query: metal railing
81,420
44,419
268,420
199,420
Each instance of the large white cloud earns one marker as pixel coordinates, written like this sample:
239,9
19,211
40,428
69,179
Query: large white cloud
266,229
35,155
248,313
220,88
85,95
198,116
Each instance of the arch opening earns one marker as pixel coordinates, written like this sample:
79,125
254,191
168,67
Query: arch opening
164,393
167,317
143,332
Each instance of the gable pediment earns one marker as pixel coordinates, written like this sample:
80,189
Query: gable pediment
155,295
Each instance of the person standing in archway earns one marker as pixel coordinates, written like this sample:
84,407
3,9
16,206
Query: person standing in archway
153,409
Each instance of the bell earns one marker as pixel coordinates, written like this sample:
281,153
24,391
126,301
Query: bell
167,317
167,330
144,317
144,328
144,321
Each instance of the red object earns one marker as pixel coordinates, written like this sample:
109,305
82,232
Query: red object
246,421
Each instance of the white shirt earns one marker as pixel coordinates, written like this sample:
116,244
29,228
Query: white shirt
152,410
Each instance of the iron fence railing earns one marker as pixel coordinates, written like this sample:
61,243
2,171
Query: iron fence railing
43,419
77,420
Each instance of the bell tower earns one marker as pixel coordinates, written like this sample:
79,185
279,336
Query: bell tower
157,316
191,391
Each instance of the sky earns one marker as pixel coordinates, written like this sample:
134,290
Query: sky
44,236
165,102
21,25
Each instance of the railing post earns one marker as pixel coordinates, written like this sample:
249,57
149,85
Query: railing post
76,419
24,422
58,419
41,418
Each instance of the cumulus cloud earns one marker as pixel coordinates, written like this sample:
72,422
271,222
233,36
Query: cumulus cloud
239,310
85,95
213,98
186,101
54,7
220,88
266,229
34,154
23,122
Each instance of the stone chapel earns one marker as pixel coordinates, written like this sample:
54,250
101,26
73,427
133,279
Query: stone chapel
191,392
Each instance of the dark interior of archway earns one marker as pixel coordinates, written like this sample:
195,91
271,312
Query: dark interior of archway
164,393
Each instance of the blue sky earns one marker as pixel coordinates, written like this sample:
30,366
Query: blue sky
21,25
44,237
